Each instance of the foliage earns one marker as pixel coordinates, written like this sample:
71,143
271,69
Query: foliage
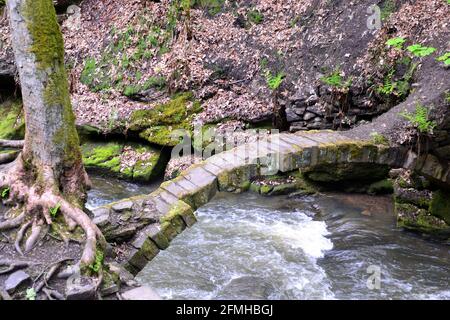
445,58
400,87
5,193
255,16
274,81
420,51
387,9
335,79
97,264
396,42
419,119
378,138
54,210
212,6
30,294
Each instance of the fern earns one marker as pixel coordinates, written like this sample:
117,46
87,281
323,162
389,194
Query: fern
336,80
54,210
95,267
419,119
5,193
445,58
274,82
420,51
396,42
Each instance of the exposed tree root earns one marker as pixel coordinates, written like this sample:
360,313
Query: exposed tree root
12,143
4,295
49,274
20,235
38,199
13,223
12,266
8,157
53,294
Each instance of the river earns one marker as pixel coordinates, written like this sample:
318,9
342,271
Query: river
328,246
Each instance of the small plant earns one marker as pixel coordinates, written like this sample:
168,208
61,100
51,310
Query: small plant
445,58
419,119
30,294
396,42
379,138
54,210
255,17
387,9
335,79
5,193
97,264
420,51
87,75
274,81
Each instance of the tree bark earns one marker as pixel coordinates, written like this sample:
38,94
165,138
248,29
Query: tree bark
49,172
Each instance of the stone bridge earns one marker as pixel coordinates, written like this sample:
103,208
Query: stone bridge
146,224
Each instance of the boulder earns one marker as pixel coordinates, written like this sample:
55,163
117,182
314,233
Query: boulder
130,161
80,288
17,281
141,293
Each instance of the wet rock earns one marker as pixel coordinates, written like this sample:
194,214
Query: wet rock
80,288
141,293
17,281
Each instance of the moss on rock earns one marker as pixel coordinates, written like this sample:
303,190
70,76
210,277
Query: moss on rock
130,161
420,220
160,124
12,123
440,205
384,186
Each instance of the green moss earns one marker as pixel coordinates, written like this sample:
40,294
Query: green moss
48,49
106,158
159,124
379,139
99,154
255,16
12,124
440,205
381,187
419,220
364,172
265,190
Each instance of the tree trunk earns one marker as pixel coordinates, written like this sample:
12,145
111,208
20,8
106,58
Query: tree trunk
49,173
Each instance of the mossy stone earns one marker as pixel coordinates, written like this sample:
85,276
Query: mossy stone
12,123
420,220
106,157
266,189
167,123
440,205
381,187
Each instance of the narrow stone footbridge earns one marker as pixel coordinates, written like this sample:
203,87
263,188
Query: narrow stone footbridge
146,224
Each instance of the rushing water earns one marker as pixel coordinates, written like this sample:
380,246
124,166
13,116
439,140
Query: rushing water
319,247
